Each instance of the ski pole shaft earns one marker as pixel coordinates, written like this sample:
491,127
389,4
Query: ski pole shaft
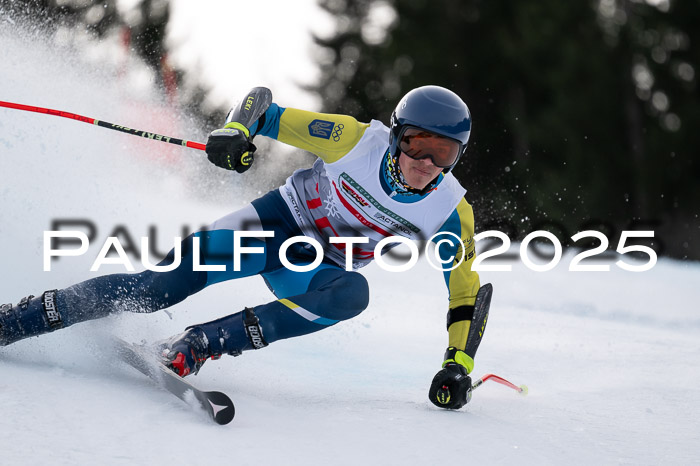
104,124
522,389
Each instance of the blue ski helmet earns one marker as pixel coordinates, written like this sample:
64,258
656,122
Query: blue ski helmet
433,109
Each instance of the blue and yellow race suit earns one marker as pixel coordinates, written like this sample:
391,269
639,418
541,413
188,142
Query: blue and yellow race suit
348,192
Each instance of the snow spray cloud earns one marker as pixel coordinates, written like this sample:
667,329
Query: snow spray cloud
58,168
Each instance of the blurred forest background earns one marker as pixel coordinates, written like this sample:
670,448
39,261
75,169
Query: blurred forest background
586,114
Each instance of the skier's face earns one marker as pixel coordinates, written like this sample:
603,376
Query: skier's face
418,173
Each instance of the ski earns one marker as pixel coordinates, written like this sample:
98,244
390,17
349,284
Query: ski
217,404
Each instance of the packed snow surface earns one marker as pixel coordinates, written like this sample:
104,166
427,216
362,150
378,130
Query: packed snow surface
610,358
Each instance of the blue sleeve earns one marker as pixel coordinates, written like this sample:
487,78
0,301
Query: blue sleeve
462,282
453,225
271,124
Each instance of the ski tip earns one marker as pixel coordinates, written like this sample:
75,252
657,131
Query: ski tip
221,407
523,390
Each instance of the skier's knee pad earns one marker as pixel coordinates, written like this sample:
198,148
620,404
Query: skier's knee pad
345,296
353,293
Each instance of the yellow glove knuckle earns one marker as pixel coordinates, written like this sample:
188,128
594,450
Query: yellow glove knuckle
238,126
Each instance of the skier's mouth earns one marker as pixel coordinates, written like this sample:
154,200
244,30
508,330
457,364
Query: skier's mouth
422,172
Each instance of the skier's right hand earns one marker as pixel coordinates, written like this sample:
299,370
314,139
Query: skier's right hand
231,147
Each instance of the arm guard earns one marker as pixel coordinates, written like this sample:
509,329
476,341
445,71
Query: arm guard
469,322
251,109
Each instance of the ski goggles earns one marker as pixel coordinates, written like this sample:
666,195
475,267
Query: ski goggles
419,144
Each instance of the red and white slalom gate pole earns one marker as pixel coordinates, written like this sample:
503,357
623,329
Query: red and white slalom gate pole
104,124
522,389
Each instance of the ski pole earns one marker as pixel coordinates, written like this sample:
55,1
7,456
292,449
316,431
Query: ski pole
104,124
443,393
522,389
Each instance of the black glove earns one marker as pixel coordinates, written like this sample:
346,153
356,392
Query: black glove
451,387
230,147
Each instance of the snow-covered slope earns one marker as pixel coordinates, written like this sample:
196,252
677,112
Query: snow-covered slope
611,359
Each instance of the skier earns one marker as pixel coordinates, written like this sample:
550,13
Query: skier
370,181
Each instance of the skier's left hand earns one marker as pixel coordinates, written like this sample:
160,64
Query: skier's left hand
230,147
451,387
